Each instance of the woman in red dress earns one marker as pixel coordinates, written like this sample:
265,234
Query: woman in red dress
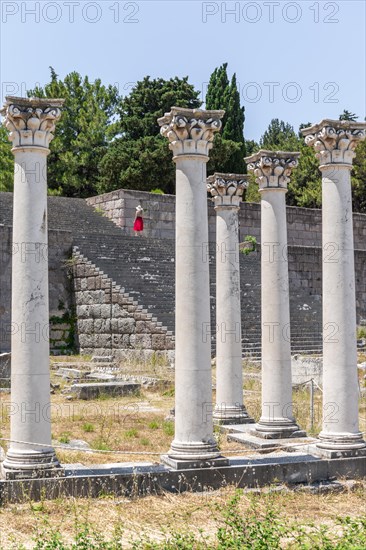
138,225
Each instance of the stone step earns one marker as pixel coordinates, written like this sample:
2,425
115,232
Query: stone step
145,270
102,359
112,389
80,365
70,373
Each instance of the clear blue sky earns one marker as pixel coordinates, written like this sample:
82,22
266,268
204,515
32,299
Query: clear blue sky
298,61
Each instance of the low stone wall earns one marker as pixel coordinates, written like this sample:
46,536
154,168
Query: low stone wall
303,224
111,323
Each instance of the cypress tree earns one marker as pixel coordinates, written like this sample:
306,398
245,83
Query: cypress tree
222,94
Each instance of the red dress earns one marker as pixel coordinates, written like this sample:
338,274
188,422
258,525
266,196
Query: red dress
139,224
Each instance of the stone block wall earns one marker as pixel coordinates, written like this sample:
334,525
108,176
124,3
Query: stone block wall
303,224
110,322
120,207
5,370
5,287
72,222
360,273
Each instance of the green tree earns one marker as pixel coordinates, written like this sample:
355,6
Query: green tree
149,100
6,162
347,115
304,188
228,152
279,136
225,156
359,178
359,169
234,123
217,95
82,134
140,158
143,164
251,147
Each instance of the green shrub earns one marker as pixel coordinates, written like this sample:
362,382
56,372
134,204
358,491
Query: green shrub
87,427
168,427
252,241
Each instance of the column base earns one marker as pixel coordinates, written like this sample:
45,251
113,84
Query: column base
31,465
340,445
277,430
231,415
187,464
192,454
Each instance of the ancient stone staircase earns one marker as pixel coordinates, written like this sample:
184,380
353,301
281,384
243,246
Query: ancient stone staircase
145,268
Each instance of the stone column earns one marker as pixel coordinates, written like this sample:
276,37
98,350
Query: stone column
334,142
30,123
226,191
272,171
190,133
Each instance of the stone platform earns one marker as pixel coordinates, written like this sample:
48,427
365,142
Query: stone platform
243,433
146,478
93,390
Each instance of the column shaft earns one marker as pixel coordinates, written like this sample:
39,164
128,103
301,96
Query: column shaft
226,191
193,398
277,415
30,377
334,142
340,381
30,122
190,133
229,375
272,171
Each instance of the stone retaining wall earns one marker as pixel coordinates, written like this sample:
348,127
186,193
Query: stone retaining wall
303,224
110,322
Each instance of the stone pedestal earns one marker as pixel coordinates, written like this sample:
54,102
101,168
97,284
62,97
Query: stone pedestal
30,123
272,171
226,191
335,141
190,133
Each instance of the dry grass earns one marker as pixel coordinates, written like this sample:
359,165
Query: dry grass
136,425
156,516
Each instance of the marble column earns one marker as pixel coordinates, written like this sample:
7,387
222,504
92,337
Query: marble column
30,123
272,171
334,142
226,191
190,134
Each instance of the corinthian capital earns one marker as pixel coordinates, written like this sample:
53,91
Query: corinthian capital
190,131
335,140
31,122
227,189
272,170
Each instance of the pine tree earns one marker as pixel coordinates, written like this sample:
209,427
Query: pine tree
347,115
